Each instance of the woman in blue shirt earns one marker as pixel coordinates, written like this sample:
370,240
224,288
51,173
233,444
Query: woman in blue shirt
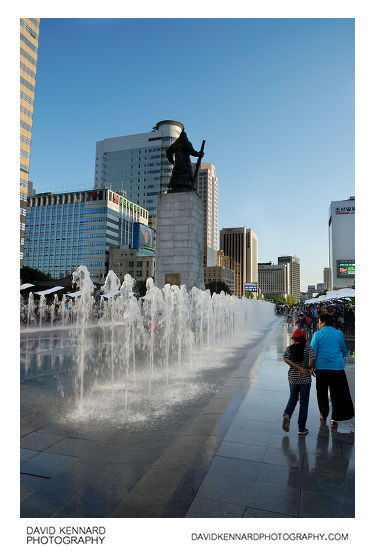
329,346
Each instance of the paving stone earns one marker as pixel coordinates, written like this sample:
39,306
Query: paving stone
26,454
39,441
188,452
208,508
28,483
46,464
229,480
74,447
317,505
259,513
238,450
282,499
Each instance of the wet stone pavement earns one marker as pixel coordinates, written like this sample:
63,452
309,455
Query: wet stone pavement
221,455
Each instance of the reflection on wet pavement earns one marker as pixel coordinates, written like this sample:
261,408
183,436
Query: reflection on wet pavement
261,471
220,454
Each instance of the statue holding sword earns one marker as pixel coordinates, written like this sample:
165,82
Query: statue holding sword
178,154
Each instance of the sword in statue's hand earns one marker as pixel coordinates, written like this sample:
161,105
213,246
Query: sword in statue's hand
197,167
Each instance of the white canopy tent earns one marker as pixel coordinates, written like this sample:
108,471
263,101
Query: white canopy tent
48,291
346,293
73,295
26,286
111,295
333,295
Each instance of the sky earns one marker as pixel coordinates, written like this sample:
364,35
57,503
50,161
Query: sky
273,98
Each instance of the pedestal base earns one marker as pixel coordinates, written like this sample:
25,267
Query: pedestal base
179,240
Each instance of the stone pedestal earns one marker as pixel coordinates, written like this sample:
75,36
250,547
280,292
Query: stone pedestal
179,240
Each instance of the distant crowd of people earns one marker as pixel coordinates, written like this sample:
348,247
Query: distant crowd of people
306,316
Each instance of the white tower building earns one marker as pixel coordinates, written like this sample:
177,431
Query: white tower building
137,163
341,231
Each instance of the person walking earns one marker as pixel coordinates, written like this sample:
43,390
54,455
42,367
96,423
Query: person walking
329,347
297,356
301,322
314,317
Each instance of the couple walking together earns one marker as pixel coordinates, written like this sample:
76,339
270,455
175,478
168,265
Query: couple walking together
324,359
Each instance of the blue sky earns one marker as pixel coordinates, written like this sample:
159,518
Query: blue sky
273,98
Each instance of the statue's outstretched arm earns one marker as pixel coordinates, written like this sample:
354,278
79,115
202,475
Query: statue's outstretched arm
192,151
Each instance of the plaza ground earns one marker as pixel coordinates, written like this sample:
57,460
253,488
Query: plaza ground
224,455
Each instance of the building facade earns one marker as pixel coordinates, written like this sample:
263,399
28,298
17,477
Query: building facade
137,163
341,233
274,279
66,230
327,277
294,275
219,273
311,290
207,187
241,246
29,43
128,261
222,260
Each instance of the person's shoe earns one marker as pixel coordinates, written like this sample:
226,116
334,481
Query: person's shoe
286,423
323,419
303,432
334,424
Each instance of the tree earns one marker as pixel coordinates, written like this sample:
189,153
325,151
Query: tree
259,296
279,299
322,293
289,300
249,294
29,275
217,287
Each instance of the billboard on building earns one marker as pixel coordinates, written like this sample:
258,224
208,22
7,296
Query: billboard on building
345,268
143,238
251,287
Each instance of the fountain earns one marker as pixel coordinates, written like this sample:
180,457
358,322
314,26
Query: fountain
130,359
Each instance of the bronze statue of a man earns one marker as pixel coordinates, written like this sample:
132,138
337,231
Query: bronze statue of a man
178,154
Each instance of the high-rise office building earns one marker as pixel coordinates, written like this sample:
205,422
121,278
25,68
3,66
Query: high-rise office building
241,245
207,187
273,279
66,230
327,277
137,164
294,275
29,41
341,233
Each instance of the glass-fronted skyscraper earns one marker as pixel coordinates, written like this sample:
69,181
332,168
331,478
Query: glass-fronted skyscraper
66,230
241,246
294,275
29,42
207,186
137,164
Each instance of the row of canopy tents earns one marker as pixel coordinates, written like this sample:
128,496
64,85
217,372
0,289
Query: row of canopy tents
58,288
332,296
48,291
